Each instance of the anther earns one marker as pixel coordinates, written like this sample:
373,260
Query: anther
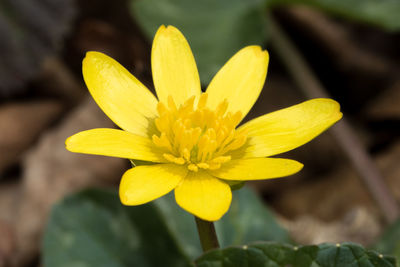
203,165
186,154
161,108
171,158
195,135
193,167
171,103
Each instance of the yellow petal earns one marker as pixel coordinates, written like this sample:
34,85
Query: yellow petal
240,80
114,143
124,99
204,196
257,169
173,66
142,184
288,128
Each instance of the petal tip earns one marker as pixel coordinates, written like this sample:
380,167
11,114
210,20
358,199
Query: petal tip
336,108
211,214
123,198
258,51
171,28
299,166
161,28
210,218
91,58
69,143
90,55
166,30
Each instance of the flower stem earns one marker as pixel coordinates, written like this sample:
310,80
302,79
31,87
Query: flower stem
207,234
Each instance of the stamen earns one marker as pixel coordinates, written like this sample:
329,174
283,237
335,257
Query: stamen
171,104
161,109
222,107
162,141
196,136
171,158
186,154
203,165
193,167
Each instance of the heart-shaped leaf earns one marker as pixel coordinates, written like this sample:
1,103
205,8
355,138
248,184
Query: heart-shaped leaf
93,228
390,240
279,255
247,220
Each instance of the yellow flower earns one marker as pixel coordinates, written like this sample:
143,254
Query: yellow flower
190,135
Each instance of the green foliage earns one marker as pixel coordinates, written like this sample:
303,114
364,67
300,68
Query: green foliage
390,240
383,13
248,220
93,228
216,30
276,255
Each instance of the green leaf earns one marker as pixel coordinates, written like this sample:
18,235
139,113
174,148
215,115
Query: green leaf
390,240
216,30
275,254
248,220
93,229
383,13
235,185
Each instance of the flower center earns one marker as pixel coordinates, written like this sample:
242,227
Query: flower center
195,135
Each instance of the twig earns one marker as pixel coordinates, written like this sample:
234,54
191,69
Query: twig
342,131
338,41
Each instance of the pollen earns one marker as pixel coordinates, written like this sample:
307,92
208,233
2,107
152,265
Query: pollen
196,136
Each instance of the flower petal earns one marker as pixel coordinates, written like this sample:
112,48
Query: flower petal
123,98
288,128
173,65
204,196
114,143
257,169
142,184
240,80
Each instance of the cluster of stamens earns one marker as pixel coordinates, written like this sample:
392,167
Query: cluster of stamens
195,135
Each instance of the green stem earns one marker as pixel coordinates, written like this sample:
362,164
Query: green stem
207,234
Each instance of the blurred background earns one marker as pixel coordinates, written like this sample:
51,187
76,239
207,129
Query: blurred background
349,187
